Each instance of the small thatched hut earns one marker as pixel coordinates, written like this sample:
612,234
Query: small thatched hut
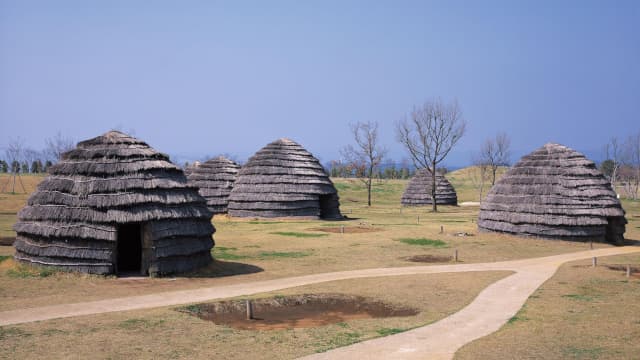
214,178
281,180
115,205
418,192
554,192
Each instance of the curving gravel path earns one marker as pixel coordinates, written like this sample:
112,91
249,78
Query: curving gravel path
491,309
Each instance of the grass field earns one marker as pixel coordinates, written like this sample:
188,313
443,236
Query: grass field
383,235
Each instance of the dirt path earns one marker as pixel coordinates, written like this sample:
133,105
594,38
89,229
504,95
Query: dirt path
491,309
487,313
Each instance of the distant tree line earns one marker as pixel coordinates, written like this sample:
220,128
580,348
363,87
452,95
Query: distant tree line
19,159
388,170
622,165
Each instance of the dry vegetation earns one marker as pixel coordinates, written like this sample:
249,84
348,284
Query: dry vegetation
252,249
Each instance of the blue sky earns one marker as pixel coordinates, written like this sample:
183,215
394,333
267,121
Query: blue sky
197,78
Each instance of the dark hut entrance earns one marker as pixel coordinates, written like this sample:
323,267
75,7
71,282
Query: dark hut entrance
327,205
132,254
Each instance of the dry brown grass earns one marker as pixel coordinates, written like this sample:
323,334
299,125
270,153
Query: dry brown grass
166,333
580,313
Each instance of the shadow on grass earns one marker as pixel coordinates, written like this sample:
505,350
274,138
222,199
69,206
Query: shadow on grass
220,268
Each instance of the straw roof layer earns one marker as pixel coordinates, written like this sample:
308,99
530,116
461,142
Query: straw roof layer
554,192
418,192
214,179
72,219
282,180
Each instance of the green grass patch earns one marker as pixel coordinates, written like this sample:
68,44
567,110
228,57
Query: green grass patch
9,332
298,234
226,253
423,242
26,271
582,353
339,340
264,222
340,186
389,331
277,254
579,297
4,257
516,318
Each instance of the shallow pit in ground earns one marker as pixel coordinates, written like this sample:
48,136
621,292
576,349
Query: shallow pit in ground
427,258
296,311
347,229
7,241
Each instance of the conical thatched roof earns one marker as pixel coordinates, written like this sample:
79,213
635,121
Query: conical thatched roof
214,179
418,192
283,179
114,198
554,192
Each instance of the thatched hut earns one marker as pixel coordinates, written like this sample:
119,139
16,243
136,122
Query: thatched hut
214,178
418,192
554,192
281,180
115,205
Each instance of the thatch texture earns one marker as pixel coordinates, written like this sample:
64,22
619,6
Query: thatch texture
73,219
554,192
282,180
418,192
214,179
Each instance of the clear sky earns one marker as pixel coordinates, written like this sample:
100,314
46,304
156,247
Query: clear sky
196,78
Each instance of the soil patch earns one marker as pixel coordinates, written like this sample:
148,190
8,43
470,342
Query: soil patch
427,258
298,311
347,229
7,241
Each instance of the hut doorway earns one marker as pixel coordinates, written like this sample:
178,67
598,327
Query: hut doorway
131,252
327,206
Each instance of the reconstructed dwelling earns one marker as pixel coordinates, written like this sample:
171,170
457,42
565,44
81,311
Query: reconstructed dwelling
214,178
418,192
554,192
115,205
282,180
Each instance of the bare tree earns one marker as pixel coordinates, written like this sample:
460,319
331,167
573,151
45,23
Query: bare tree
367,153
58,145
631,161
479,174
14,154
613,153
495,152
429,134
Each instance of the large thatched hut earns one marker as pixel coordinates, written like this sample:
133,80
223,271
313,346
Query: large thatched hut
418,192
115,205
554,192
281,180
214,178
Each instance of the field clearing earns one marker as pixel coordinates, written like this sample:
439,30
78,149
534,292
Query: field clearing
383,235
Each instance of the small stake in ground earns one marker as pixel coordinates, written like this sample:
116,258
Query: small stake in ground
628,270
249,309
418,219
342,229
591,244
594,261
455,255
441,229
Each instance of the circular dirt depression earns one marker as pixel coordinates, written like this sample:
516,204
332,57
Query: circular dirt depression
427,258
297,311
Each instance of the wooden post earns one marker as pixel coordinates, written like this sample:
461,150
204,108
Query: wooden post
591,244
418,219
249,309
342,229
441,229
455,255
628,270
594,261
